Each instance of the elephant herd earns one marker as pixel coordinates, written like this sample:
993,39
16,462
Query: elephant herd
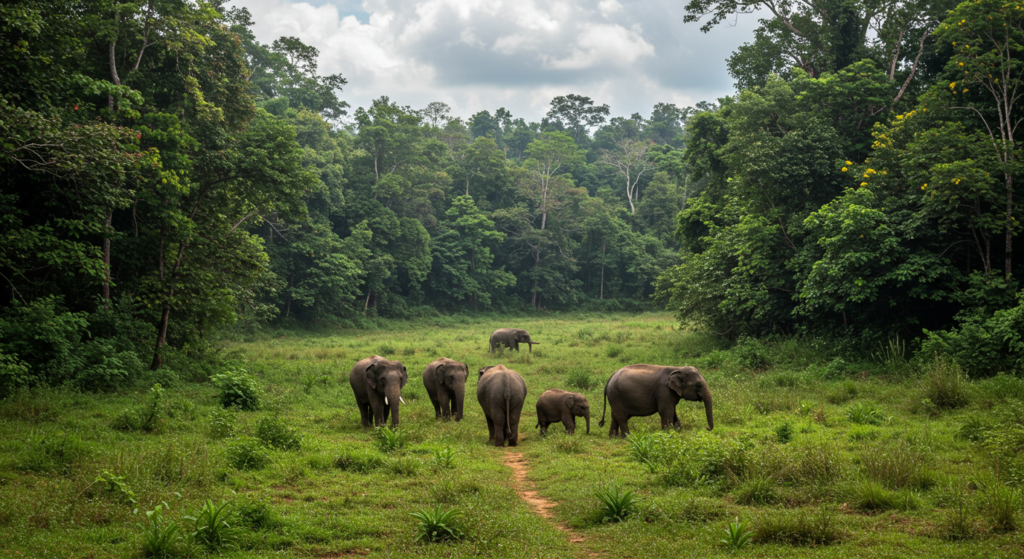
633,391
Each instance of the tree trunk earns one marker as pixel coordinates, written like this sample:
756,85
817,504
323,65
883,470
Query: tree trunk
106,258
161,337
1009,227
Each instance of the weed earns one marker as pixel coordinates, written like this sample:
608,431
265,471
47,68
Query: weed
865,414
802,528
437,525
958,523
389,440
146,417
212,529
238,389
246,453
784,433
702,509
222,424
159,538
444,458
893,356
897,465
757,491
1000,505
403,465
115,486
569,444
274,433
737,536
581,379
945,384
616,504
871,496
650,449
361,461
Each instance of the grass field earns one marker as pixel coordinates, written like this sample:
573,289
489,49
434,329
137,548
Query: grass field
817,453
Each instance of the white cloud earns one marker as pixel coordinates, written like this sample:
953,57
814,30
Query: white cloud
484,54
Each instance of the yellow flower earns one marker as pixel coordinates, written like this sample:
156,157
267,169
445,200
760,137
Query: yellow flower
849,163
925,186
844,169
863,184
966,90
952,85
961,63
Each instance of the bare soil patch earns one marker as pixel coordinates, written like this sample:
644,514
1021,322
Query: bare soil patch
540,505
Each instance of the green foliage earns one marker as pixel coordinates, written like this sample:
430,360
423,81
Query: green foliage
706,459
945,384
437,525
146,417
820,527
389,440
784,433
1002,505
116,486
737,535
239,389
273,432
654,450
616,504
212,529
444,458
247,453
362,461
54,454
222,424
581,379
865,414
258,516
959,522
160,538
757,491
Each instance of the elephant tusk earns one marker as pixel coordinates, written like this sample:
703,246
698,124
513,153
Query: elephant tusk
386,401
401,400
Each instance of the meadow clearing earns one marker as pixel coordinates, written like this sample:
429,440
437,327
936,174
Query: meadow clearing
817,453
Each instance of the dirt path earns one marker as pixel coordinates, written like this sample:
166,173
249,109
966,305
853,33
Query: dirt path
540,505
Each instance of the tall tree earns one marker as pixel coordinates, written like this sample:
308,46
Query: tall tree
575,114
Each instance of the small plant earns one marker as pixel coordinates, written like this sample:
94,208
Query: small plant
246,453
222,424
649,449
362,461
737,536
959,523
238,389
212,529
893,356
389,440
258,515
1001,504
274,433
784,433
146,417
945,384
864,414
403,465
757,491
437,525
444,458
116,486
159,538
581,379
616,504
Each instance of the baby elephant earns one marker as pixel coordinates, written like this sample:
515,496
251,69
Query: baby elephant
559,405
445,380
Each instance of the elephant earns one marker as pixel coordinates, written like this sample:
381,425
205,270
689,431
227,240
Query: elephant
642,390
377,383
445,380
501,393
559,405
511,338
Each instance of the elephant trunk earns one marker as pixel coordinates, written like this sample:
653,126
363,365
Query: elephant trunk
460,398
587,417
393,399
705,396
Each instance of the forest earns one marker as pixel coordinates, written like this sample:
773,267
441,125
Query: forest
168,177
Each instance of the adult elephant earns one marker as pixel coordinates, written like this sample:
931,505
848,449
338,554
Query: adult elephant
445,380
377,384
511,338
642,390
501,393
558,405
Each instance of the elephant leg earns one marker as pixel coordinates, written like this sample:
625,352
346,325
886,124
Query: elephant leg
437,408
513,437
442,404
620,424
668,415
499,429
543,428
365,415
569,422
490,429
453,408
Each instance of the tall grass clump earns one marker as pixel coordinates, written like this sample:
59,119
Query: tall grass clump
802,528
616,504
212,527
654,450
247,453
757,491
865,414
897,464
945,384
53,454
893,356
958,523
361,461
705,460
389,440
1001,505
145,417
273,432
437,525
581,379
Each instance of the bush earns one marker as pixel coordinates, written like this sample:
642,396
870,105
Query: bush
246,453
258,516
706,459
945,384
222,424
654,450
274,433
752,354
238,389
388,440
983,343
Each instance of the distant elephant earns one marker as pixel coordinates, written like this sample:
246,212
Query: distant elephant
642,390
511,338
377,384
501,393
559,405
445,381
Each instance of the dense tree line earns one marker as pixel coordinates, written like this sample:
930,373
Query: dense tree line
862,181
165,175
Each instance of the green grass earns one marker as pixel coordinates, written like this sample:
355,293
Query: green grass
299,477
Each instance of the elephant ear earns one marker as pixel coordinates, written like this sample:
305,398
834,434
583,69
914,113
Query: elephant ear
675,382
568,400
371,375
405,377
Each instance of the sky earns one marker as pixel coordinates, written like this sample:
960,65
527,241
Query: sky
519,54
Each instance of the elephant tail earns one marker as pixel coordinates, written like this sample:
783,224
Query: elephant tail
508,399
604,406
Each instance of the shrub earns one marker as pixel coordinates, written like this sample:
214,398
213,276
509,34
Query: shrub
784,433
945,384
581,379
222,424
802,528
706,459
362,461
257,515
388,440
616,504
115,486
437,525
246,453
238,389
654,450
757,491
274,433
752,354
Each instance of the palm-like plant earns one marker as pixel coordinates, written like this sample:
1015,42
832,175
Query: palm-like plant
618,504
437,525
736,535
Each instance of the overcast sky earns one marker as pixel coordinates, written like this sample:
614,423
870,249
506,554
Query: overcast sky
518,54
